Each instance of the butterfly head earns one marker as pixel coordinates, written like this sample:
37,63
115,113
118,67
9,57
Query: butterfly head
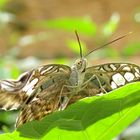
80,64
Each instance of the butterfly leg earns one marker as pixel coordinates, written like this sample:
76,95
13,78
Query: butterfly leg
100,84
64,103
75,90
86,82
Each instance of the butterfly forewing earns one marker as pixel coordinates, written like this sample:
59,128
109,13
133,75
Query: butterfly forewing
107,77
13,93
111,76
46,95
51,80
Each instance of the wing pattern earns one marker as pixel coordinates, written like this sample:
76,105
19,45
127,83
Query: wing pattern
39,87
37,92
110,76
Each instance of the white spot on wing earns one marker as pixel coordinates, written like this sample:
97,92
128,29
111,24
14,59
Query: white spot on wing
137,70
127,68
29,87
113,85
129,76
118,79
35,99
113,67
7,85
137,75
102,69
49,68
100,94
124,65
30,91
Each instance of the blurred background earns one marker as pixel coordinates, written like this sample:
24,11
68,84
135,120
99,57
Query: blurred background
38,32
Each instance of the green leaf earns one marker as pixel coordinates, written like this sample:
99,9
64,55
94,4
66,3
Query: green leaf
61,60
74,46
83,25
3,3
8,69
111,53
110,27
94,118
12,136
131,49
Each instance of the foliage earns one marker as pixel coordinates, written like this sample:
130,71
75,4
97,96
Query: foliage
110,27
74,46
131,49
85,25
102,118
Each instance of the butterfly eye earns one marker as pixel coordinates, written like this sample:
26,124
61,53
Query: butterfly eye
79,64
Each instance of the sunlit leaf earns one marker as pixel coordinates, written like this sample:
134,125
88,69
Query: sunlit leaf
110,27
14,136
111,53
83,25
8,69
3,3
74,46
61,61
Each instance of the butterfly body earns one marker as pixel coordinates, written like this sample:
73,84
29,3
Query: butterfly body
78,72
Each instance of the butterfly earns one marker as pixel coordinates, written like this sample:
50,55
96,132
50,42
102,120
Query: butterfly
53,87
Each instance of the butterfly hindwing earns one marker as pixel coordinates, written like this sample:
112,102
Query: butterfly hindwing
11,94
36,110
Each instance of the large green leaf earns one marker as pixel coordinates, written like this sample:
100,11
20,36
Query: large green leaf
94,118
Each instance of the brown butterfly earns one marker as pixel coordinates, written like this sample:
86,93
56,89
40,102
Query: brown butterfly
53,87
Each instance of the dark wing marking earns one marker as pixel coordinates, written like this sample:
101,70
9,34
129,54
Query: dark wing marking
36,110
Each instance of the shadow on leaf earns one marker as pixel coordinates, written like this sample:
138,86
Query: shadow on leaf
84,113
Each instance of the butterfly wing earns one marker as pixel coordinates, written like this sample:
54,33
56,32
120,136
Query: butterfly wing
111,76
36,110
15,93
46,95
103,78
11,93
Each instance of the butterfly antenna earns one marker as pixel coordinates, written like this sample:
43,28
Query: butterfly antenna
109,43
79,44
